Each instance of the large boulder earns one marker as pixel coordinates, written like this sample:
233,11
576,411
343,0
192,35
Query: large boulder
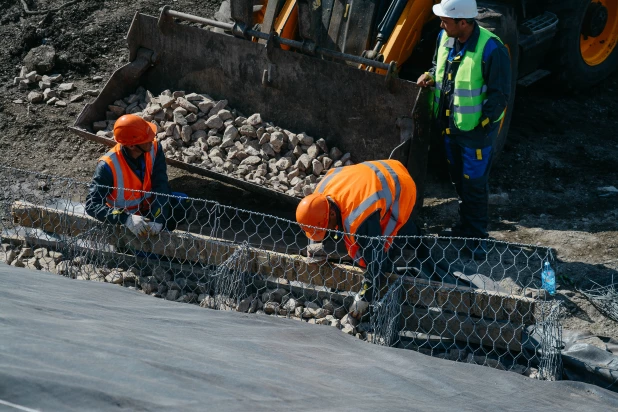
40,59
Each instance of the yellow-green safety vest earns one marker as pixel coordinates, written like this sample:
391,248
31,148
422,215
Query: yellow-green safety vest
470,89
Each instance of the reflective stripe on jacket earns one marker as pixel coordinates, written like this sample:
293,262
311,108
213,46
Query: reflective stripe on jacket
469,91
126,194
362,189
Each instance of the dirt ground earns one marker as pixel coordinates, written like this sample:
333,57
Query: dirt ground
561,148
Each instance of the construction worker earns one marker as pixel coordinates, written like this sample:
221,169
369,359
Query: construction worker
125,176
471,75
364,201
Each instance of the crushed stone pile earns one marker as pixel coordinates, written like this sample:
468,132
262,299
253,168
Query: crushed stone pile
199,130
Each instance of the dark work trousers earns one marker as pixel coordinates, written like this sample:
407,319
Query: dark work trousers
469,169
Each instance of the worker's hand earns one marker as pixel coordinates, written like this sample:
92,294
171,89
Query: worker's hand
425,80
155,228
359,307
137,225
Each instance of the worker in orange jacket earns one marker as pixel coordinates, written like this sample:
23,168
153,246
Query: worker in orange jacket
128,176
370,203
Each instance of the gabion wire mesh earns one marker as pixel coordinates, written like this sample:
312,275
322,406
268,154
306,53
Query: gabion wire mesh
438,298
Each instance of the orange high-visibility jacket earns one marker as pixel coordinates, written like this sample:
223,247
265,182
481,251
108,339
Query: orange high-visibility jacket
362,189
124,195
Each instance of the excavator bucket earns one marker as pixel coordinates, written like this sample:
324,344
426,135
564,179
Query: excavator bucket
370,115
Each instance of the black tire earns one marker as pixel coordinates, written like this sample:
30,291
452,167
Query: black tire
502,21
570,68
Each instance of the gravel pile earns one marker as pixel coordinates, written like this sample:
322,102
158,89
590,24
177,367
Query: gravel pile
199,130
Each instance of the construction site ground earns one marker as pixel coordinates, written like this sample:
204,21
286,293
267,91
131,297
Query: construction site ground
544,187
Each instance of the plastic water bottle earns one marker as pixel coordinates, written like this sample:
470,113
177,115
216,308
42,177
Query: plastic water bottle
548,276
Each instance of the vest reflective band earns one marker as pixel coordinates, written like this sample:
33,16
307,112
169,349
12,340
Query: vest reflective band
361,190
127,193
470,89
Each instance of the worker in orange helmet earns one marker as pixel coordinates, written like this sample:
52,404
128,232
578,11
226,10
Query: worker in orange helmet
126,178
369,202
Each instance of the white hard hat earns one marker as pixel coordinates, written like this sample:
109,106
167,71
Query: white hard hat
456,9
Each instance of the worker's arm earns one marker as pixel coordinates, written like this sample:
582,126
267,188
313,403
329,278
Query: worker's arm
160,208
427,79
97,194
497,75
372,248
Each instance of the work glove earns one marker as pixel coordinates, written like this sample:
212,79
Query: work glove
155,228
361,301
137,225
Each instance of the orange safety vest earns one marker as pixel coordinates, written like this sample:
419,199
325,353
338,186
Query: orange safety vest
361,189
128,188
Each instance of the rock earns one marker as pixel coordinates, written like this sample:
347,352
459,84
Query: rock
349,329
35,97
61,103
225,115
254,119
76,98
245,304
214,122
214,141
535,293
276,141
93,93
205,106
66,87
247,130
208,302
304,162
231,132
200,124
179,109
31,77
165,101
327,162
57,256
284,163
116,110
48,264
44,85
271,308
335,154
220,105
172,295
317,167
185,133
40,59
274,295
97,78
313,151
322,145
180,119
40,253
305,139
25,253
115,277
345,158
187,105
251,160
8,256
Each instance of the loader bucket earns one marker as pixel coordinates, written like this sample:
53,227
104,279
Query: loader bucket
353,109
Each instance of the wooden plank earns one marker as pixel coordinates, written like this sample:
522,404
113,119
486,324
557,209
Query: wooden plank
214,251
490,333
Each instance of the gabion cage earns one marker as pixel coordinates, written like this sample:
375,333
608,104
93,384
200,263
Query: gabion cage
437,299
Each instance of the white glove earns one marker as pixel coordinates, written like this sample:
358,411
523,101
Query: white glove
358,307
155,228
137,225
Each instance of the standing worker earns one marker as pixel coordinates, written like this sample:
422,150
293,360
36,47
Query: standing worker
471,74
365,201
126,176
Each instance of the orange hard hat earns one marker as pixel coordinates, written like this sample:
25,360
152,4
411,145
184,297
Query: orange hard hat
130,130
312,214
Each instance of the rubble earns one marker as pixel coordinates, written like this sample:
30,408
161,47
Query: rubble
197,129
40,59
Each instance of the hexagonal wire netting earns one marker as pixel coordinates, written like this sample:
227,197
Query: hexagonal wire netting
436,297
